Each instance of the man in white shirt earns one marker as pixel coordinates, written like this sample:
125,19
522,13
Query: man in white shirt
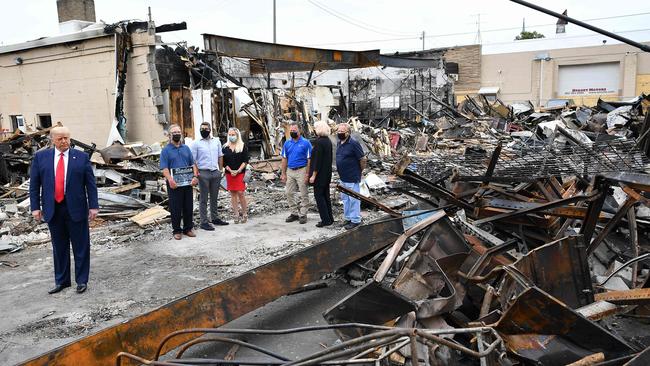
208,158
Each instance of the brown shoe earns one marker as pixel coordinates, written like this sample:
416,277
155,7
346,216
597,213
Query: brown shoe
190,234
178,236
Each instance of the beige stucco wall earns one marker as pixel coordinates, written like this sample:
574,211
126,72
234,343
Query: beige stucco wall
518,75
75,84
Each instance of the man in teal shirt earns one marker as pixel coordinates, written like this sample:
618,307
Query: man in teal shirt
177,155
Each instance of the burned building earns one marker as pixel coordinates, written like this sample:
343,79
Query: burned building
98,79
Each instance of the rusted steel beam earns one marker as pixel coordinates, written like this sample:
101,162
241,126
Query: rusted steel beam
369,200
635,296
543,330
401,169
491,206
542,207
399,244
485,213
236,47
260,66
493,162
622,211
559,268
225,301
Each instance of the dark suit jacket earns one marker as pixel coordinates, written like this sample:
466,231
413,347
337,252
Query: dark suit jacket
80,191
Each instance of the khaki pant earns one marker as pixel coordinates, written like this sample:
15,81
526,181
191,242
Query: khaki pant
296,183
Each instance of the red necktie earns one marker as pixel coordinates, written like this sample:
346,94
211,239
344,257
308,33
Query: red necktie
59,180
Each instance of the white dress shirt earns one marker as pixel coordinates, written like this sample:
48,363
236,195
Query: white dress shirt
57,154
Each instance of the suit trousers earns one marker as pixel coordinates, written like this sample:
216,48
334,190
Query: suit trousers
209,183
64,232
324,203
181,206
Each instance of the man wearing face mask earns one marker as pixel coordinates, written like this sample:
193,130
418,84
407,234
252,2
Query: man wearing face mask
296,156
173,156
350,162
208,157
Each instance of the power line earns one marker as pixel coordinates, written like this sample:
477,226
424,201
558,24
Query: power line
474,33
361,21
355,22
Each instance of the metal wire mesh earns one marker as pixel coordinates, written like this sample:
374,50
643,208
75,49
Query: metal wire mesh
532,162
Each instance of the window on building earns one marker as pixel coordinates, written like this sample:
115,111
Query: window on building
18,123
44,120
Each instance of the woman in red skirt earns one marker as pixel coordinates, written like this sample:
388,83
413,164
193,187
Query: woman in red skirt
235,158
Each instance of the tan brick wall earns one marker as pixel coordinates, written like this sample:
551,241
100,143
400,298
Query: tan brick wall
469,67
76,10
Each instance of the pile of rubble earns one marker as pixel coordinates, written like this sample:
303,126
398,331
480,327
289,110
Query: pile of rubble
524,249
528,243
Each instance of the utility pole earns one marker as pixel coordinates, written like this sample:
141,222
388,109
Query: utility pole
423,41
477,39
268,74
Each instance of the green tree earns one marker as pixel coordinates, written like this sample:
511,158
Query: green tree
528,35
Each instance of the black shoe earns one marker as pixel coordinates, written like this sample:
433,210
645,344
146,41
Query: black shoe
303,219
58,288
320,224
81,288
219,222
292,218
351,225
207,227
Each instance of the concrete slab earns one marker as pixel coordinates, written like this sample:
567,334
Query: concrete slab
132,278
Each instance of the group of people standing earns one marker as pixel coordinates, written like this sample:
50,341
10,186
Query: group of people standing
304,163
63,192
206,160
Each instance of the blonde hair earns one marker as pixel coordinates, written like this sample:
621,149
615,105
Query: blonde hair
59,130
322,128
238,146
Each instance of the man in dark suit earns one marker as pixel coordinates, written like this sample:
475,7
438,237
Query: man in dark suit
63,193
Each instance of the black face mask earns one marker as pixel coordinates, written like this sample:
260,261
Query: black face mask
342,136
205,134
294,135
176,137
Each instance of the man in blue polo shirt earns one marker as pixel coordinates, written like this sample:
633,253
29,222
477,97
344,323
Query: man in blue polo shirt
350,162
177,155
296,156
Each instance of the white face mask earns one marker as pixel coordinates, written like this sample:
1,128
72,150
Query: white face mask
232,138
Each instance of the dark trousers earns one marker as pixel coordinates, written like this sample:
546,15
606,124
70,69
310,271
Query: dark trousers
209,183
324,203
64,232
180,206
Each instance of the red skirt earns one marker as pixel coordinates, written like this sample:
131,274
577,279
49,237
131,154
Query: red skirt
235,183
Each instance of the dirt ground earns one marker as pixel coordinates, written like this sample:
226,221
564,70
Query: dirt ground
131,278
